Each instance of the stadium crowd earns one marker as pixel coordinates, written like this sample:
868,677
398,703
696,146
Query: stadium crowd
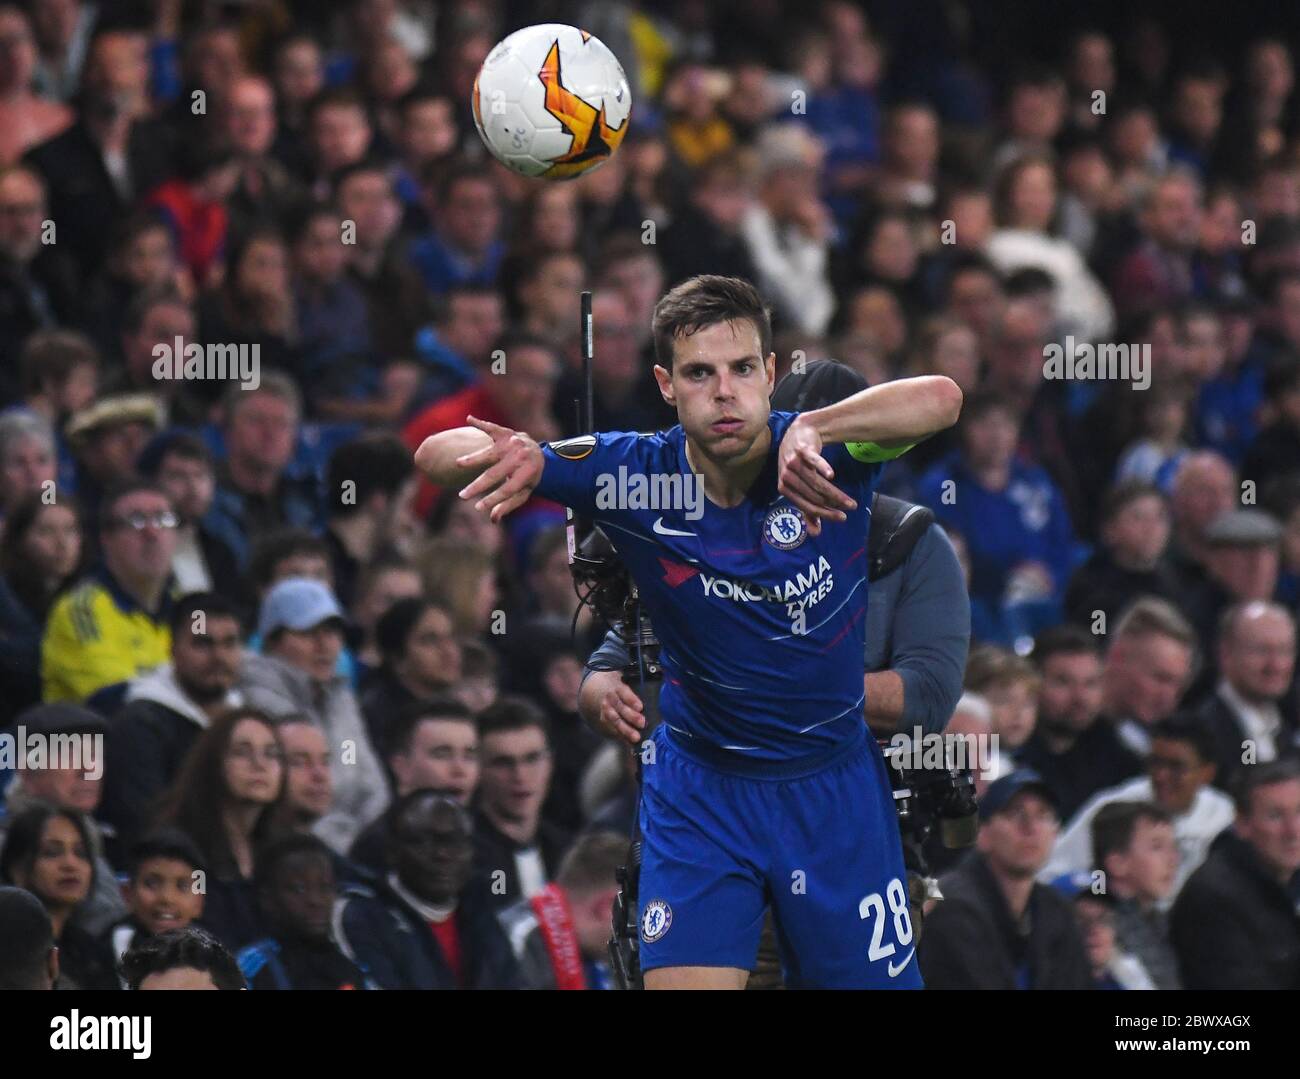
349,705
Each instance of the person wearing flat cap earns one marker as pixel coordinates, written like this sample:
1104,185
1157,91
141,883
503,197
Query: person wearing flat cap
301,627
1242,564
996,926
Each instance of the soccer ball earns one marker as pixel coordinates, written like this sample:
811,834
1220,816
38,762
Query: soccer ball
551,101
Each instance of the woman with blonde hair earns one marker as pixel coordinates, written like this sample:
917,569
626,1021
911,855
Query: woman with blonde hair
463,579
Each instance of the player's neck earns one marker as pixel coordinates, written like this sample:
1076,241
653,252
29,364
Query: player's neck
727,481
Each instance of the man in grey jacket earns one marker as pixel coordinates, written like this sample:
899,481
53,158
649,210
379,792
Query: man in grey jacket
301,627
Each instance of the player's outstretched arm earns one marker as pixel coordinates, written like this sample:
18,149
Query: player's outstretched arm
494,462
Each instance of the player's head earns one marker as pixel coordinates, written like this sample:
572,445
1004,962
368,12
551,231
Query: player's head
713,343
190,958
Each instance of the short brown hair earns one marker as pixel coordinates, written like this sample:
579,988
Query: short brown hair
707,300
990,666
52,355
1152,616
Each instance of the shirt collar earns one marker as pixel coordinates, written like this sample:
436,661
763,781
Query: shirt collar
127,604
426,910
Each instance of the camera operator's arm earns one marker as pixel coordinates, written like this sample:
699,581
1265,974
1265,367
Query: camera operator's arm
930,636
501,465
605,701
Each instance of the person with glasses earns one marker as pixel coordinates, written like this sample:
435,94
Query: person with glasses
229,799
1180,769
997,927
515,847
114,625
428,923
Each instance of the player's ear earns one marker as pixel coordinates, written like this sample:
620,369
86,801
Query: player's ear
769,367
665,379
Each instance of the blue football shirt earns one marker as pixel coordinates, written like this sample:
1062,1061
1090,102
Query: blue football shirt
761,624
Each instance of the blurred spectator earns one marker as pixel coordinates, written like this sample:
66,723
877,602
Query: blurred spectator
153,318
427,925
114,625
42,551
1027,205
107,439
76,790
26,118
377,260
1179,770
255,494
385,580
516,848
112,155
165,711
705,236
1075,751
48,852
1159,271
421,661
28,459
464,581
1129,563
301,627
431,743
1009,685
465,245
228,798
1242,560
1012,515
1250,713
996,927
60,371
1275,450
181,464
163,891
29,957
38,281
1204,488
296,890
1149,665
1133,846
370,488
788,231
308,786
560,936
1234,925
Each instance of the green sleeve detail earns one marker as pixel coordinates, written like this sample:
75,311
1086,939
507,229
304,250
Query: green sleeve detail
871,452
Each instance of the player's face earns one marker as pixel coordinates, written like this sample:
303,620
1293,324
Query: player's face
721,386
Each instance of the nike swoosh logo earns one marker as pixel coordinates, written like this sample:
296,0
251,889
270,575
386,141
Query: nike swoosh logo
895,971
663,530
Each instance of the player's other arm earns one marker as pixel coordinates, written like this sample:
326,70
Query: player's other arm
892,414
881,422
494,464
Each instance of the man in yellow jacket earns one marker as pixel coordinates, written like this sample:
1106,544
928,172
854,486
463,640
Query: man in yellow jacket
113,625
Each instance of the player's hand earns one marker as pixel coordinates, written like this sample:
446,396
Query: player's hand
512,467
621,715
805,478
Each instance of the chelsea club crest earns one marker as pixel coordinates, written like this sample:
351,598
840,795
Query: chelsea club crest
784,528
655,920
